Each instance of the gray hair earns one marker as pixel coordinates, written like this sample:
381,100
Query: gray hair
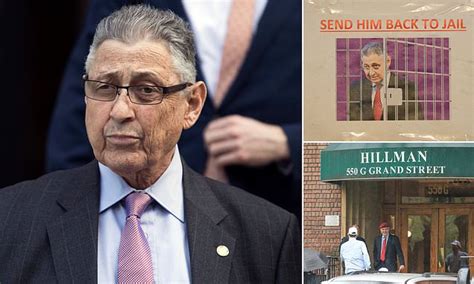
372,48
134,23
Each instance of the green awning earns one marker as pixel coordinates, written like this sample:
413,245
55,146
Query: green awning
360,161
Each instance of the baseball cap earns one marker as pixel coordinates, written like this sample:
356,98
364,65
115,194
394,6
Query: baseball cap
384,225
456,243
352,231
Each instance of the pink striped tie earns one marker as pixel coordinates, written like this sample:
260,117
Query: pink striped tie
236,44
134,262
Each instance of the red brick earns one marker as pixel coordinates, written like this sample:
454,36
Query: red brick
320,199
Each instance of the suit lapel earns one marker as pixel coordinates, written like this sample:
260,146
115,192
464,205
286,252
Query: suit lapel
393,79
389,246
73,235
368,111
203,216
378,247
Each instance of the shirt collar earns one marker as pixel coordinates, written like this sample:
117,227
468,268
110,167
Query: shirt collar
167,190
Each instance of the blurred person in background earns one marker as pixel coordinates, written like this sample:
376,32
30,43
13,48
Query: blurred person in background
249,132
453,260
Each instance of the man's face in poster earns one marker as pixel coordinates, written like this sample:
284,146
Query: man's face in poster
374,67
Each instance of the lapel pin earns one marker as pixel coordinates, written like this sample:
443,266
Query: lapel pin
222,250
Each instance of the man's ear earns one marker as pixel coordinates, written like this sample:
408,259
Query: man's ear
195,102
389,60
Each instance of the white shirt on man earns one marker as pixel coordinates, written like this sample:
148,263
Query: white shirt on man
163,223
355,255
209,23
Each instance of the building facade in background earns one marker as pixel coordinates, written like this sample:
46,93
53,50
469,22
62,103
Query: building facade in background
425,191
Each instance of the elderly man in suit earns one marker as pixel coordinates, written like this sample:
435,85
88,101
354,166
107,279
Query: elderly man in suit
138,213
367,101
249,134
387,249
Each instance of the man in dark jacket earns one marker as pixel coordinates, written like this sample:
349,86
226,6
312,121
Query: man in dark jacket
367,100
138,213
387,249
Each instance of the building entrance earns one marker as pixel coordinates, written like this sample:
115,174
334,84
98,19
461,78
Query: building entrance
427,231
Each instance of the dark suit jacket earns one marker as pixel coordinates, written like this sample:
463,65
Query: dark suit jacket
48,231
393,250
360,106
267,88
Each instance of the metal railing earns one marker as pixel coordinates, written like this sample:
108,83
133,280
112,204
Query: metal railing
318,275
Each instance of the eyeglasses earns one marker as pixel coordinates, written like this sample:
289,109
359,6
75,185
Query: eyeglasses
140,94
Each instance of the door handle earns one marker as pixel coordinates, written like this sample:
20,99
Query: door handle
441,257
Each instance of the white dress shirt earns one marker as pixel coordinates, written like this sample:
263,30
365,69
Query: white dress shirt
381,243
162,222
209,23
355,255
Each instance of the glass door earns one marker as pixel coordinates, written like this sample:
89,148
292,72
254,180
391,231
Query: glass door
419,239
456,224
427,234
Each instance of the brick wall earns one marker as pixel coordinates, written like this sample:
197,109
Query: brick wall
320,199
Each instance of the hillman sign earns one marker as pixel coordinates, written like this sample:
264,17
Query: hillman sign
347,161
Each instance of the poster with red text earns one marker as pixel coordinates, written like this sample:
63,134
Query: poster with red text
388,70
